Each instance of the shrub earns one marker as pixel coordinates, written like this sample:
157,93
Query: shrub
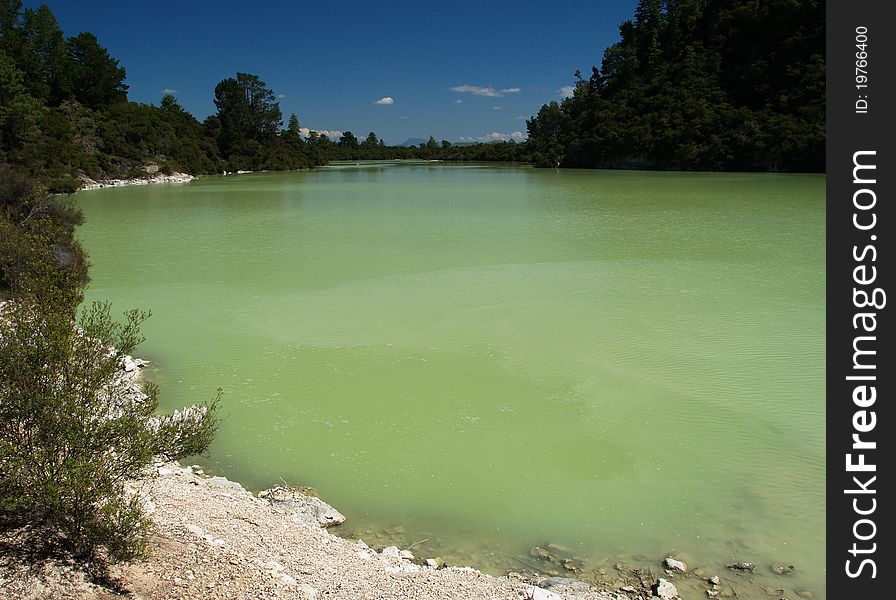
73,431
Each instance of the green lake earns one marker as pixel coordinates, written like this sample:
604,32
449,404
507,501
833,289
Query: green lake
491,358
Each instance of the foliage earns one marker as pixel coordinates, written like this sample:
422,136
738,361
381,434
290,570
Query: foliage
248,112
72,428
70,433
37,240
697,84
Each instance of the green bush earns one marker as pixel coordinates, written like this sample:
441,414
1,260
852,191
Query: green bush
73,430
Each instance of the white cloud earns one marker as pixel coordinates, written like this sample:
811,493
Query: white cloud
169,91
385,100
281,96
458,101
332,134
566,91
477,90
496,136
513,90
497,107
403,117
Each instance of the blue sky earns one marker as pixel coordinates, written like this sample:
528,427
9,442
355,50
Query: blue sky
454,70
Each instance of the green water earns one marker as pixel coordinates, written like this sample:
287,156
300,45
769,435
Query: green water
493,358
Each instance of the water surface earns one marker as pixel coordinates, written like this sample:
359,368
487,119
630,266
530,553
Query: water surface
494,358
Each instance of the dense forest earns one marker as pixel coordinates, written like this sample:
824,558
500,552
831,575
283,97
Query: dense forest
698,84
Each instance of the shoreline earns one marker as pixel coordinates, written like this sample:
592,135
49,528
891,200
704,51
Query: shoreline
212,538
175,177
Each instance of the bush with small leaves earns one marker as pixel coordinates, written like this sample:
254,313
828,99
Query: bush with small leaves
73,430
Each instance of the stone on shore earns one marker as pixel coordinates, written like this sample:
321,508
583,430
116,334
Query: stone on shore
664,590
537,593
302,507
152,177
564,582
675,565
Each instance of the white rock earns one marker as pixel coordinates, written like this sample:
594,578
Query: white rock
195,530
665,590
537,593
391,552
274,566
675,565
223,482
288,579
166,471
307,592
302,507
406,554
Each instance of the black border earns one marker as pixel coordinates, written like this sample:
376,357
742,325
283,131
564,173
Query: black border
848,132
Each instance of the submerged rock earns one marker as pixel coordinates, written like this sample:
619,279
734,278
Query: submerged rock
742,566
564,582
675,565
783,569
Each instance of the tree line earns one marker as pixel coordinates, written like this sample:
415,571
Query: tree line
65,114
698,84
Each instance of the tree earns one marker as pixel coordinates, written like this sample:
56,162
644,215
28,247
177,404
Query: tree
73,429
247,111
170,104
20,113
348,140
96,78
43,55
293,127
10,12
371,141
698,84
546,136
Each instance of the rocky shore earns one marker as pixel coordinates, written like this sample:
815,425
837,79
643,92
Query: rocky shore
213,539
151,177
